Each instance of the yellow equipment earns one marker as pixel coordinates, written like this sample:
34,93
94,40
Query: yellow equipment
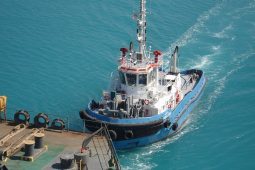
3,100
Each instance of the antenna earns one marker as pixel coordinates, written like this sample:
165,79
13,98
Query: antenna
141,28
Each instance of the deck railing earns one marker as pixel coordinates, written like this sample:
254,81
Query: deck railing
103,131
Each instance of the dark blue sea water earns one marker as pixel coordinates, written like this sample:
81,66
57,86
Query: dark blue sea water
56,55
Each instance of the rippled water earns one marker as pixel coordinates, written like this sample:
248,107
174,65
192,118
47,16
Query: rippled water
57,55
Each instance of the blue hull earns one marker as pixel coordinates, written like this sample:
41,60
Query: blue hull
184,109
179,116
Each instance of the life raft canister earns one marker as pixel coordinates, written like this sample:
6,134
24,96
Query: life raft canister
22,116
41,120
58,124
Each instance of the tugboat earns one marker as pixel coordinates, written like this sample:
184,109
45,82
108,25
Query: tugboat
145,103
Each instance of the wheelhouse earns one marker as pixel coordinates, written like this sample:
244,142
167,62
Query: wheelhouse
137,78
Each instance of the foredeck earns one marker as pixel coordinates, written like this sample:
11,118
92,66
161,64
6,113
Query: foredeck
187,84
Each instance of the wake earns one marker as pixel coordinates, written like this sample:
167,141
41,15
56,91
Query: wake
217,72
141,158
193,30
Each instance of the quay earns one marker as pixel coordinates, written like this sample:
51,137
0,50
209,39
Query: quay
60,148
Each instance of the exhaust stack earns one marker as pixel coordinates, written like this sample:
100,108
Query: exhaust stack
173,64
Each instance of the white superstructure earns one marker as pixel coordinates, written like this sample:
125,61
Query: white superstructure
140,82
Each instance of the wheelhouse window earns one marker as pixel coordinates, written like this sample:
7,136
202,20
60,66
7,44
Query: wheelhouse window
143,79
152,76
131,79
122,78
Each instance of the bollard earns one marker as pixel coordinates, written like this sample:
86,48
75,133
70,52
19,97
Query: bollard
29,147
67,161
39,140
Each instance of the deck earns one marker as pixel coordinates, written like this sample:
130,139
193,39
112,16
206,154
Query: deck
58,143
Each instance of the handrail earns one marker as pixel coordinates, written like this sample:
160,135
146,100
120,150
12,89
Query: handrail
113,151
104,131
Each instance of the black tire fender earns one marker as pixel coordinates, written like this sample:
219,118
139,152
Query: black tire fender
39,124
55,122
128,134
175,126
17,118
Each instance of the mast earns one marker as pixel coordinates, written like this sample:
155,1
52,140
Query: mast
141,28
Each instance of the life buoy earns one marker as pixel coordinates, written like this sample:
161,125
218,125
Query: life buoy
113,134
128,134
45,120
22,116
174,126
167,124
146,101
58,124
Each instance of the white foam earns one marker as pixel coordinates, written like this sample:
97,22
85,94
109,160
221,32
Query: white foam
239,12
189,34
223,33
143,159
216,47
204,61
219,83
138,161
